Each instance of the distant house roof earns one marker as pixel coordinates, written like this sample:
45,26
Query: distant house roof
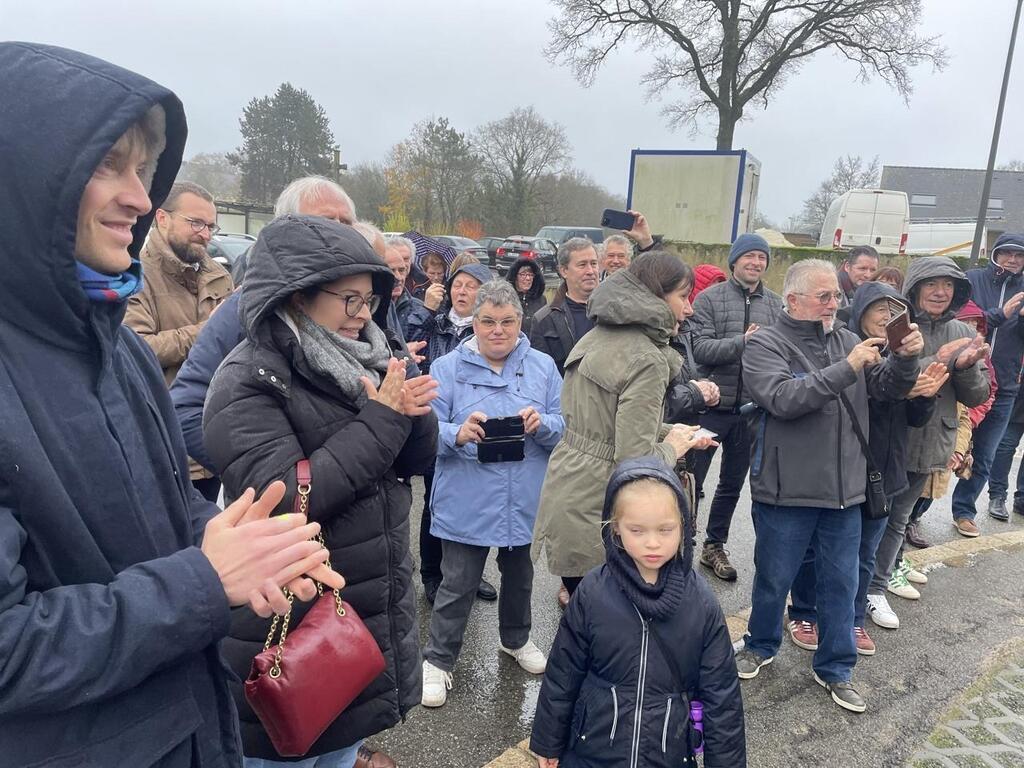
955,194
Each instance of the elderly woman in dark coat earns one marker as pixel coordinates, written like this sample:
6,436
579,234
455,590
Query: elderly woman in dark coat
316,380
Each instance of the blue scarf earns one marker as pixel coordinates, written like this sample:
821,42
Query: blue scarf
110,288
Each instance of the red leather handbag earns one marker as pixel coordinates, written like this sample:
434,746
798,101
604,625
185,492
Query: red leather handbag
299,690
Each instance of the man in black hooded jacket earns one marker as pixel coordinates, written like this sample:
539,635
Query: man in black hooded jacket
115,575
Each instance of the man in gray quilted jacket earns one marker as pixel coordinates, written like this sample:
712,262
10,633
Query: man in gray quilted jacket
724,317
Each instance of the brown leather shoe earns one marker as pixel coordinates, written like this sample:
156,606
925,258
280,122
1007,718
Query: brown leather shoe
914,537
966,527
367,758
563,597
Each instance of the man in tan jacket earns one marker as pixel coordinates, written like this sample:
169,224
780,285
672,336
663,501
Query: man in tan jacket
182,288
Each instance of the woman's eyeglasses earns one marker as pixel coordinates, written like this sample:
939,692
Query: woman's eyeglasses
354,303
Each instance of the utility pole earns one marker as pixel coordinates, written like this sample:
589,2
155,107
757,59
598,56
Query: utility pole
339,166
987,188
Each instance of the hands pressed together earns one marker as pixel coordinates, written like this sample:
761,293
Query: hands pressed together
256,555
409,397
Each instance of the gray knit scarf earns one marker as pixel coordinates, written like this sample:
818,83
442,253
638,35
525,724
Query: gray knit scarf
345,360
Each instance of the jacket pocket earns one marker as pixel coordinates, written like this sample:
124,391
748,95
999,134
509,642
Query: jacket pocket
675,723
599,719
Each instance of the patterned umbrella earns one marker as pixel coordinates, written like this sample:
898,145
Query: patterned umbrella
425,245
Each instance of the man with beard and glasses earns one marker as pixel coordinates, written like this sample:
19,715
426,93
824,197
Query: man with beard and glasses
182,288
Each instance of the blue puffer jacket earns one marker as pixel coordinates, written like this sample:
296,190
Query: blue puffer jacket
503,514
991,287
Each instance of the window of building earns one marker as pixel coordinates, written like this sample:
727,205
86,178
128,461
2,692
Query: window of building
995,204
922,200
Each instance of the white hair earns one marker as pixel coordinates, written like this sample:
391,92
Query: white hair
621,240
403,242
368,230
799,275
310,189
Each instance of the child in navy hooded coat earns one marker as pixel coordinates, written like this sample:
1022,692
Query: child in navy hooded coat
611,696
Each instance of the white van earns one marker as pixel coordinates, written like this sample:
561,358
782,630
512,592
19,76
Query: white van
950,238
876,217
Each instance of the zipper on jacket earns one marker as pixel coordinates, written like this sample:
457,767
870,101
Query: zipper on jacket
1002,294
634,752
664,730
739,376
839,454
615,716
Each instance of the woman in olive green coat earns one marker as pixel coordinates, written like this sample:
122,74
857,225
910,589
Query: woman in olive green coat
613,402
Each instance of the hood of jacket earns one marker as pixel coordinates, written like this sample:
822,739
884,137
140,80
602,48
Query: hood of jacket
51,146
479,271
623,300
655,469
925,268
297,252
538,286
1008,241
971,311
867,295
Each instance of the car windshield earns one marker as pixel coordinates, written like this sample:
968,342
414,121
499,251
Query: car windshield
234,247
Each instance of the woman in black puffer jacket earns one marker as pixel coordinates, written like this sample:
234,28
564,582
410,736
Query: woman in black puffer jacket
292,391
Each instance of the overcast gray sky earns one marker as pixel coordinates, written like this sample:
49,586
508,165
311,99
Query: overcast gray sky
379,67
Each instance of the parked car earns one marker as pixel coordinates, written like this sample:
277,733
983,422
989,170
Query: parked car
519,247
492,244
559,235
227,248
465,245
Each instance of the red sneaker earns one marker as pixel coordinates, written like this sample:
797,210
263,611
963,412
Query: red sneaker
804,634
865,645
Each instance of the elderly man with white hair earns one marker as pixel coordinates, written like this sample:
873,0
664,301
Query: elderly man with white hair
811,381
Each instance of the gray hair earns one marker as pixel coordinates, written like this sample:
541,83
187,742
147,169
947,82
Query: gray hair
500,293
309,189
621,240
368,230
403,242
571,246
798,276
185,188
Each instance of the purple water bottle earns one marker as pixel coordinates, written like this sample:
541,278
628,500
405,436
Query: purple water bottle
697,718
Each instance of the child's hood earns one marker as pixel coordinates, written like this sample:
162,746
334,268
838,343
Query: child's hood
654,468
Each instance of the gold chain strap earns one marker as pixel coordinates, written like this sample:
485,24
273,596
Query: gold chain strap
275,671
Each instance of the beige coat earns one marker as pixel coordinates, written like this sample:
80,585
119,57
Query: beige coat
172,306
613,402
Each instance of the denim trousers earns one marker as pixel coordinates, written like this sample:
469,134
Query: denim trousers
463,566
986,439
783,535
999,476
733,436
340,758
803,592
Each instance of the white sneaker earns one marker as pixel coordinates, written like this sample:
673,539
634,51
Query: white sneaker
900,587
913,575
529,657
881,614
436,684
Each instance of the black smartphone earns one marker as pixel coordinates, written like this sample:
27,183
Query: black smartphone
612,219
504,440
504,427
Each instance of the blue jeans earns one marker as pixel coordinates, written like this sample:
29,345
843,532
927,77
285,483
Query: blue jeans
803,590
783,535
341,758
999,477
986,439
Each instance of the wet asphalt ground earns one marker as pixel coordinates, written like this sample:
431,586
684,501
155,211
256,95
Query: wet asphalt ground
964,615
